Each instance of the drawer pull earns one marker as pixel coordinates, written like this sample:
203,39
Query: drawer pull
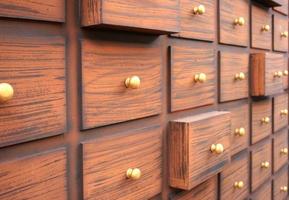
284,189
6,92
278,74
239,21
265,165
284,112
240,131
132,82
285,72
284,34
265,120
201,77
284,151
239,184
199,10
217,148
133,173
240,76
266,28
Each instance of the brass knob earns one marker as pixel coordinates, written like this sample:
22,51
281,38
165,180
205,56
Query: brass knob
239,184
284,151
217,148
132,82
278,74
284,34
6,92
265,164
199,10
265,120
133,173
240,76
266,28
284,189
239,21
201,77
240,131
284,112
285,72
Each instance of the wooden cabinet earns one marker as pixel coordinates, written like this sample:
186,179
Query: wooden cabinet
280,111
280,42
264,192
283,8
198,138
280,149
280,184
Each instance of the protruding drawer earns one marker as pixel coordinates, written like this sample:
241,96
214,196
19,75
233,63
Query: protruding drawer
199,148
267,74
280,149
281,184
280,33
283,8
280,111
234,76
235,179
123,166
121,80
197,19
264,192
156,16
261,164
234,22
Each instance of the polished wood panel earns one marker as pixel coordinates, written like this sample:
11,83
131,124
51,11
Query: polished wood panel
264,192
106,63
282,9
280,142
232,64
280,25
280,105
106,160
158,16
39,176
281,180
190,140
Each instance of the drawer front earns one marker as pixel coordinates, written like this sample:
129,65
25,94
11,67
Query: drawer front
157,16
198,138
197,19
261,164
52,10
261,27
41,176
106,162
280,184
235,179
205,191
265,192
33,63
189,60
282,9
280,149
280,111
280,31
261,120
106,65
234,76
234,22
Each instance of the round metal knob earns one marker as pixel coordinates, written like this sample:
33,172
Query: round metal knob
240,76
284,151
284,189
239,21
201,77
278,74
239,184
240,131
6,92
284,112
133,173
132,82
284,34
266,28
265,120
265,164
217,148
285,72
201,9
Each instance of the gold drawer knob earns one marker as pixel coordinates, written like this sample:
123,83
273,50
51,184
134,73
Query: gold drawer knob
284,151
239,21
285,72
284,112
284,189
265,120
240,131
240,76
133,173
132,82
199,10
284,34
278,74
265,164
201,77
239,184
217,148
6,92
266,28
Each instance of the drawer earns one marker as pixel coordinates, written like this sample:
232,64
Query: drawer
283,8
280,149
261,164
32,68
261,27
264,193
120,80
197,19
280,111
39,176
123,166
198,138
235,179
52,10
156,16
193,75
261,120
285,75
234,22
267,74
280,185
280,33
234,76
205,191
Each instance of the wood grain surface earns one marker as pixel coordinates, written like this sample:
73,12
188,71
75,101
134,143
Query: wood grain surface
280,103
106,160
106,63
280,142
190,140
264,192
280,180
39,176
282,9
280,25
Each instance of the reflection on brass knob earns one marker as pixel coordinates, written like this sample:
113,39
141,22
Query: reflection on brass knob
240,76
132,82
265,164
239,21
239,184
266,28
285,72
284,151
199,10
284,112
284,189
240,131
6,92
201,77
265,120
284,34
278,74
133,173
217,148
